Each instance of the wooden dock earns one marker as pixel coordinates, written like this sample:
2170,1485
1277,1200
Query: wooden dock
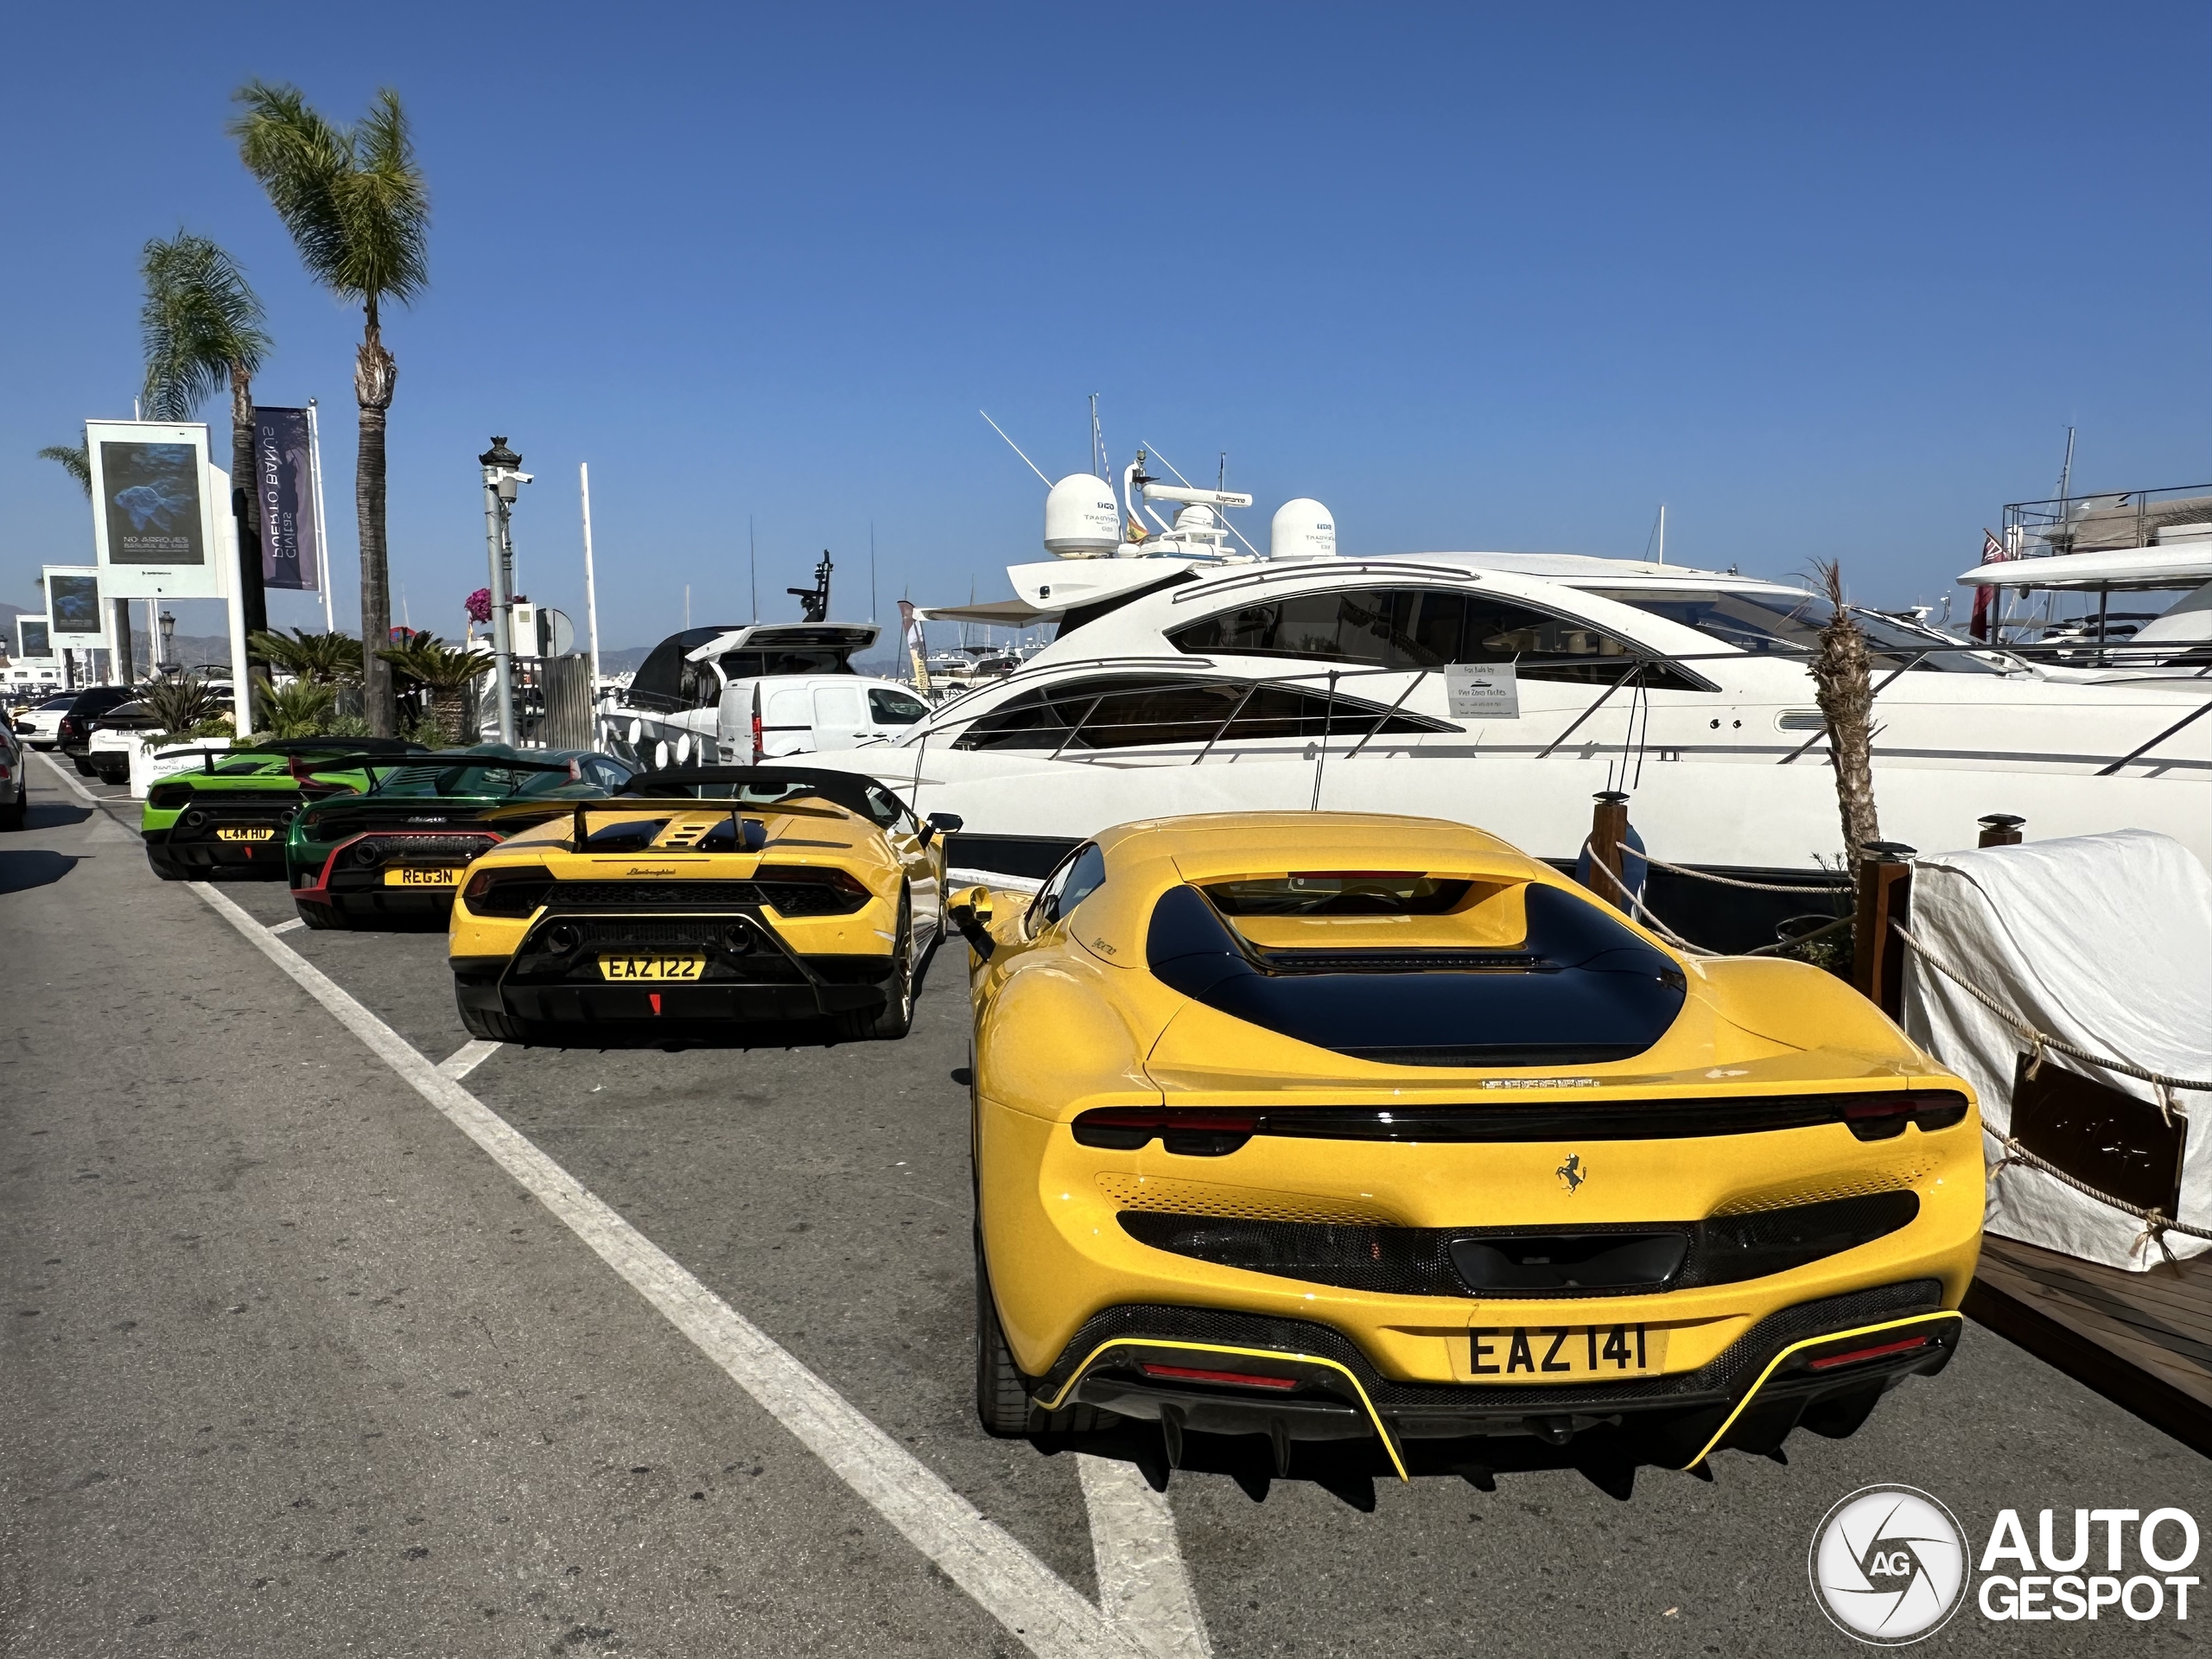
2143,1340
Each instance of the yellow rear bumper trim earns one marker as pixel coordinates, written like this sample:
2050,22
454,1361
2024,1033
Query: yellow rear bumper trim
1373,1416
1751,1393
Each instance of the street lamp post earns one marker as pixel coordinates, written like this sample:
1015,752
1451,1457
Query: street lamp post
168,642
502,475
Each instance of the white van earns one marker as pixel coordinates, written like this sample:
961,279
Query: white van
729,695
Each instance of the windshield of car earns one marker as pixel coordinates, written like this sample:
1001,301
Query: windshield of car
1339,892
462,780
1763,622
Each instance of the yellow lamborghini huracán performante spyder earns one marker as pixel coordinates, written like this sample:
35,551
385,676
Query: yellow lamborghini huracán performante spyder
701,905
1330,1127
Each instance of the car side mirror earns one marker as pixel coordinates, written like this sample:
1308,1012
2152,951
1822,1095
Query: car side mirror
970,911
951,822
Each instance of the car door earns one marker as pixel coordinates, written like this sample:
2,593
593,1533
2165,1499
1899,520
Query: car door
787,718
921,855
840,715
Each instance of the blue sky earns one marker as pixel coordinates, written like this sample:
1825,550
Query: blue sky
1828,281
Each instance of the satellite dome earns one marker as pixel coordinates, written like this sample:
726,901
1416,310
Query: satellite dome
1081,520
1302,530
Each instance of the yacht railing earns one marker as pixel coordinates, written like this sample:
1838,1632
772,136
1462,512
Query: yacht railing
1208,731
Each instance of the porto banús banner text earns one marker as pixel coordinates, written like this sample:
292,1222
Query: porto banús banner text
283,467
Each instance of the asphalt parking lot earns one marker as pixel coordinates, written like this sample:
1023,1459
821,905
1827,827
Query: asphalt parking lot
298,1362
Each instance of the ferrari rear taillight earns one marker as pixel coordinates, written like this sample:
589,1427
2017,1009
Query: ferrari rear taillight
1205,1131
1877,1117
1194,1133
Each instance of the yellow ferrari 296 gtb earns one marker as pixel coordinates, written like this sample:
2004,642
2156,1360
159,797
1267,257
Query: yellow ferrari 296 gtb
701,906
1333,1126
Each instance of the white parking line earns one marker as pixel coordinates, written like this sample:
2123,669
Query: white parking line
1002,1574
75,787
286,927
464,1059
1142,1583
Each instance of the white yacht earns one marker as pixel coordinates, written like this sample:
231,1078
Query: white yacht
1506,691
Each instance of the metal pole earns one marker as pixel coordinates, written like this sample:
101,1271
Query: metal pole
322,536
591,593
241,679
494,539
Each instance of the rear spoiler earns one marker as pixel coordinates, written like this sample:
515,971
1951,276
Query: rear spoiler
630,807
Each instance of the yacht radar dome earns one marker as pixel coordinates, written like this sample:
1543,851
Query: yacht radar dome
1302,530
1081,520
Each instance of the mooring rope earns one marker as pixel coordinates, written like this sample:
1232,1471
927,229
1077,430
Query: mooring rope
1731,881
1676,939
2038,1041
2156,1222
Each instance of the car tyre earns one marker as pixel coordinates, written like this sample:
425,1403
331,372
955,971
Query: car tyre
896,1017
1002,1402
162,868
323,918
84,766
505,1028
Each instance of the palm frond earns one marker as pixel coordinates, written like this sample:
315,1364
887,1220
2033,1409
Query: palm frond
354,199
185,704
200,319
429,661
74,459
320,658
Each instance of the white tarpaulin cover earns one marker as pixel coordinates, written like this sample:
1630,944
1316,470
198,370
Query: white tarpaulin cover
2104,941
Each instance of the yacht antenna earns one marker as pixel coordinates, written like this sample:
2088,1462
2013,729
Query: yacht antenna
871,570
1097,440
753,564
1662,532
813,602
2066,473
1187,484
1220,478
1016,448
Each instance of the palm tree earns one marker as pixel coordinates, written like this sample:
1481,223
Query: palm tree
201,325
358,212
74,460
318,658
445,672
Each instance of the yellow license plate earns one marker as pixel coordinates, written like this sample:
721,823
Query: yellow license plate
1561,1353
257,834
444,875
666,966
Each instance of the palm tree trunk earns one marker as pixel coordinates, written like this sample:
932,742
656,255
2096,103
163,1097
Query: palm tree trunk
245,501
1843,686
448,704
374,375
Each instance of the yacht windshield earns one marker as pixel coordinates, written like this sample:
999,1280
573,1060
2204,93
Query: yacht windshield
1761,622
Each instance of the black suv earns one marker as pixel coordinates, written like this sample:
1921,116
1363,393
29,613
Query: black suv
74,736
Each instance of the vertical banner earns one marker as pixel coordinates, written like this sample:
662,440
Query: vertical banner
283,466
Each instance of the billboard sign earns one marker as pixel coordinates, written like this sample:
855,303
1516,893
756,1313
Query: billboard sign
161,517
32,639
283,468
73,608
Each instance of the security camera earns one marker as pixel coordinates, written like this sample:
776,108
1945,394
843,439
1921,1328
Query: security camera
522,477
